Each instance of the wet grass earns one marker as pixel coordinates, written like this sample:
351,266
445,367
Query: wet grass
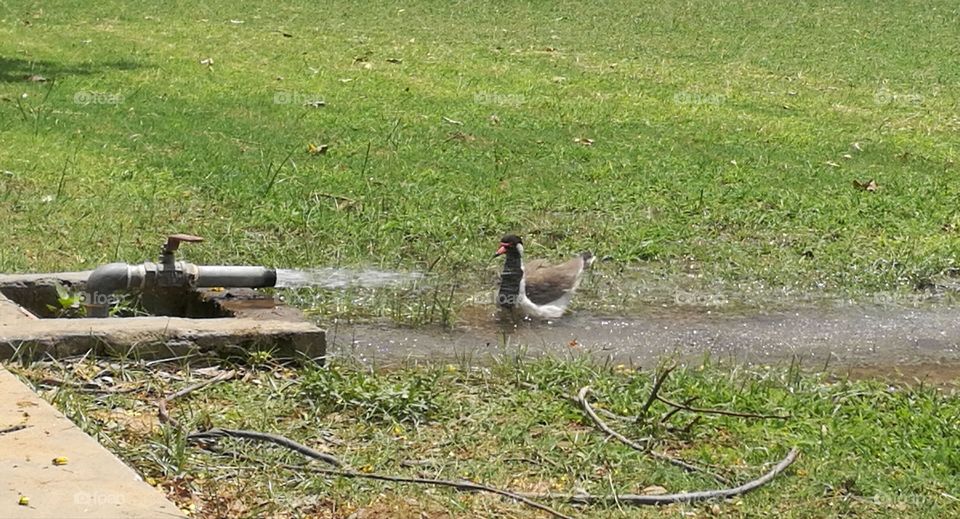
868,449
715,144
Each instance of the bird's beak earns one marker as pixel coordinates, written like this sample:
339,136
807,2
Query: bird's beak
501,251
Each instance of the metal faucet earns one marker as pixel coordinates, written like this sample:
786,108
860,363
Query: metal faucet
169,273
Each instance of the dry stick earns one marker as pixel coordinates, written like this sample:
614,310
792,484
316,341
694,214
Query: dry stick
685,497
468,486
721,411
283,441
659,378
582,398
675,410
162,403
85,388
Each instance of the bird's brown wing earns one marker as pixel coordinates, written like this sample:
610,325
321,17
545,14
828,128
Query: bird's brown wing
546,283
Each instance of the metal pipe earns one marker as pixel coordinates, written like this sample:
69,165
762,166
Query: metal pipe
230,276
108,279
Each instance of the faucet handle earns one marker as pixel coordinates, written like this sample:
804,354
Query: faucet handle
173,241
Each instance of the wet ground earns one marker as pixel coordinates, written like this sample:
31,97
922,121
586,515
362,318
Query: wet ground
880,336
912,343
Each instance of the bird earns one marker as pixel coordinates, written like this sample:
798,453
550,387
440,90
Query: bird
536,288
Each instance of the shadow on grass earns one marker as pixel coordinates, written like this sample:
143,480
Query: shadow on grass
14,70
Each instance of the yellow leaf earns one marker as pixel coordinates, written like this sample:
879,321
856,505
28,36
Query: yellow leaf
61,460
313,149
24,501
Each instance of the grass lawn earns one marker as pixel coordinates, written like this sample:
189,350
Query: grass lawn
867,449
717,143
795,148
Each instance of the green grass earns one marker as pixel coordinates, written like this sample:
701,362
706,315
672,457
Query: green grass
868,449
726,138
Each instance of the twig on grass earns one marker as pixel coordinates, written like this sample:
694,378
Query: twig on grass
724,412
658,379
675,410
582,398
666,499
87,387
464,485
162,403
282,441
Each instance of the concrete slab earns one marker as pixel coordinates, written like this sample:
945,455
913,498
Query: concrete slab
153,337
231,322
93,483
11,312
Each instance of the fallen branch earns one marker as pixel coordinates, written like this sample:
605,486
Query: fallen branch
665,499
721,411
162,403
658,379
282,441
675,410
582,398
87,387
463,485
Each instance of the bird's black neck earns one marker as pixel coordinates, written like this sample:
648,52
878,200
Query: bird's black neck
510,279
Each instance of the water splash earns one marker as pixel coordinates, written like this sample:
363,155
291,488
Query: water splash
335,278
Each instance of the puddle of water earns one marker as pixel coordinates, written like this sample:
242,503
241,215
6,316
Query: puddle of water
335,278
636,318
885,339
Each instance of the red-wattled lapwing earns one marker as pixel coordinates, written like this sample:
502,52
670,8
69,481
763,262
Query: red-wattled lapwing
535,288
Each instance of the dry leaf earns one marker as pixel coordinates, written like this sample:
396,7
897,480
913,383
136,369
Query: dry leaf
654,490
452,121
583,141
395,61
317,103
462,137
558,79
313,149
207,61
847,156
871,185
856,146
494,119
832,164
36,79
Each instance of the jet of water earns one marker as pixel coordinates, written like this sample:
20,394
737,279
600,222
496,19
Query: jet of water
334,278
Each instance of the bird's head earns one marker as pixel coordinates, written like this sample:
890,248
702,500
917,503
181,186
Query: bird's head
508,243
